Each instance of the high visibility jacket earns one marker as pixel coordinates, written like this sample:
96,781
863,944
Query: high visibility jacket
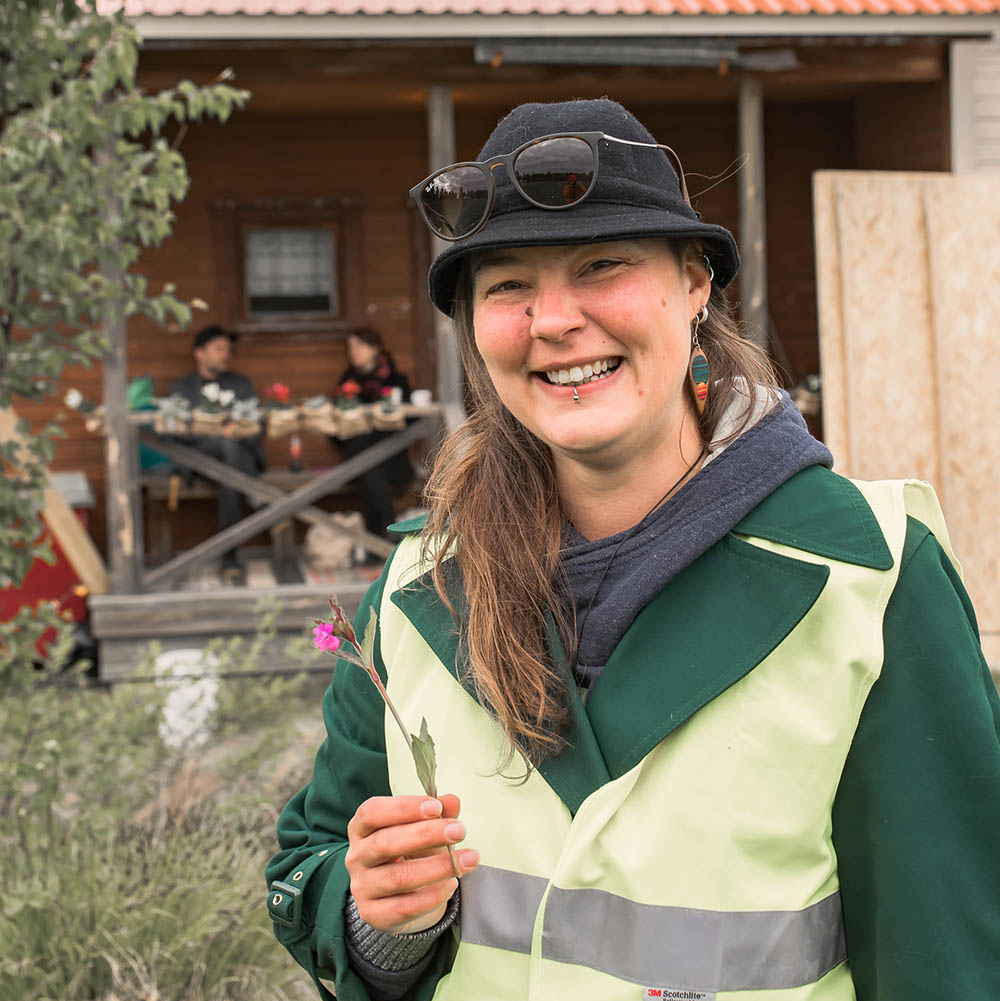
705,868
683,841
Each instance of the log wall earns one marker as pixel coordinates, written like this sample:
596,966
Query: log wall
372,155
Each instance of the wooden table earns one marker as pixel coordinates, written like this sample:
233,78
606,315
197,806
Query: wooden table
278,504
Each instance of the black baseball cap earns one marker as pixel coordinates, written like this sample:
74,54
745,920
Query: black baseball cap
207,334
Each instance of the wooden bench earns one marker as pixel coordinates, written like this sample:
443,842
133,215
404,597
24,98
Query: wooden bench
163,493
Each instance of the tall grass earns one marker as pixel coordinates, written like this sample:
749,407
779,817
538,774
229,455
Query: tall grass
130,871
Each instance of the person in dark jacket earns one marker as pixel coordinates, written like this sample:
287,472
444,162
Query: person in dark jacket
370,373
212,348
718,716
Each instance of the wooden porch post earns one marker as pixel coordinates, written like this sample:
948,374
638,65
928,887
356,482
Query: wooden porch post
121,472
753,235
441,149
121,457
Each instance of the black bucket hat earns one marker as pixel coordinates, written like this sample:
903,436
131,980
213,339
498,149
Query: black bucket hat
637,194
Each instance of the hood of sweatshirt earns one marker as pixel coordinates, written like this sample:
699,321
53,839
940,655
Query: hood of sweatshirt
611,580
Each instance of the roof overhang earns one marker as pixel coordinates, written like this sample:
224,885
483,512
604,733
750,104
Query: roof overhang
411,27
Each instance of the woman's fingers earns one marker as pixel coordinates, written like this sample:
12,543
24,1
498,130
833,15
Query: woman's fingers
409,894
416,839
450,805
388,811
406,875
386,829
401,874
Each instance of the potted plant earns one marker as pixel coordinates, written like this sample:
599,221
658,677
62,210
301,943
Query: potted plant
212,410
245,418
319,415
352,417
282,417
387,415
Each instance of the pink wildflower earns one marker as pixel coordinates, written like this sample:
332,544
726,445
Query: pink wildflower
323,638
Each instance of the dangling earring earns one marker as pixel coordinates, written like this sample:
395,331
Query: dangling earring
698,365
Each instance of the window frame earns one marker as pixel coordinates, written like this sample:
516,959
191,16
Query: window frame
232,221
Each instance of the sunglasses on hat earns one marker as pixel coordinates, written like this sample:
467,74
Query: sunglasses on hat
551,172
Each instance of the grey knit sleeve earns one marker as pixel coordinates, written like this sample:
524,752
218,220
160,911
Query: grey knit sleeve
390,964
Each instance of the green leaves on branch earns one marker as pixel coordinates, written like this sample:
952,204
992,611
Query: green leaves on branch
88,180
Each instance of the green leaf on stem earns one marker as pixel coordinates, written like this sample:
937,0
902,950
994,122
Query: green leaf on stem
424,758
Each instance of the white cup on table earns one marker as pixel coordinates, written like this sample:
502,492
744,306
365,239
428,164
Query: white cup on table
421,397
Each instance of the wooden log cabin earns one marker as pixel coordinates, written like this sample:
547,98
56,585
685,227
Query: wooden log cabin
353,102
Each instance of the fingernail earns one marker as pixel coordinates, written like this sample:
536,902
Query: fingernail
455,831
431,808
468,858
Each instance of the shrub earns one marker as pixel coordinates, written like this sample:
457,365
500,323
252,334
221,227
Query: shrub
132,870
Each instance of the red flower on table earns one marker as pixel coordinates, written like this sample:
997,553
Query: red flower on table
350,389
278,392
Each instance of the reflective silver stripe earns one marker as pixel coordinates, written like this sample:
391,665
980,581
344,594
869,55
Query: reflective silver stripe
499,908
683,947
645,944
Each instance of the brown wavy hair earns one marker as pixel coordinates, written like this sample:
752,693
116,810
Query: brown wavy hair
493,501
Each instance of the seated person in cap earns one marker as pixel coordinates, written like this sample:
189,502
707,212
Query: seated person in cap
212,352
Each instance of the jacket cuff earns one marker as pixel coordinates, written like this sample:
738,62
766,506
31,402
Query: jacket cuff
390,952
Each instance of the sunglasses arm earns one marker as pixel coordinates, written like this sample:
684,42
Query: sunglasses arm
674,158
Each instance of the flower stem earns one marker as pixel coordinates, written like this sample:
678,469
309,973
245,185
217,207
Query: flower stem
373,674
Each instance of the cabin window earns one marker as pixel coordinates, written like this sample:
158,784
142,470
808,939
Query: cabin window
288,267
290,271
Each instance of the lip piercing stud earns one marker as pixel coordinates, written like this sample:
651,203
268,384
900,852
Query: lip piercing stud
576,395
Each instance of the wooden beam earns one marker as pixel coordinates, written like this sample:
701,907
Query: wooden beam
441,150
215,613
394,74
753,237
251,486
121,456
121,479
290,503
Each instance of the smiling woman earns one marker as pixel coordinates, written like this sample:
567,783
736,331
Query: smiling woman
698,693
625,308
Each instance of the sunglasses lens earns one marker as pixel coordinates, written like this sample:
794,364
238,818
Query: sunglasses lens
556,172
456,200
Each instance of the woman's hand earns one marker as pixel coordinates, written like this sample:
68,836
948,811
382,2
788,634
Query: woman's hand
401,875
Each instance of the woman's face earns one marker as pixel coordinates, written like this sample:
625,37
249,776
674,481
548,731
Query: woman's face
361,354
612,318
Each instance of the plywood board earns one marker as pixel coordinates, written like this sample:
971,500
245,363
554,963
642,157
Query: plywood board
963,228
832,351
909,291
75,542
889,341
